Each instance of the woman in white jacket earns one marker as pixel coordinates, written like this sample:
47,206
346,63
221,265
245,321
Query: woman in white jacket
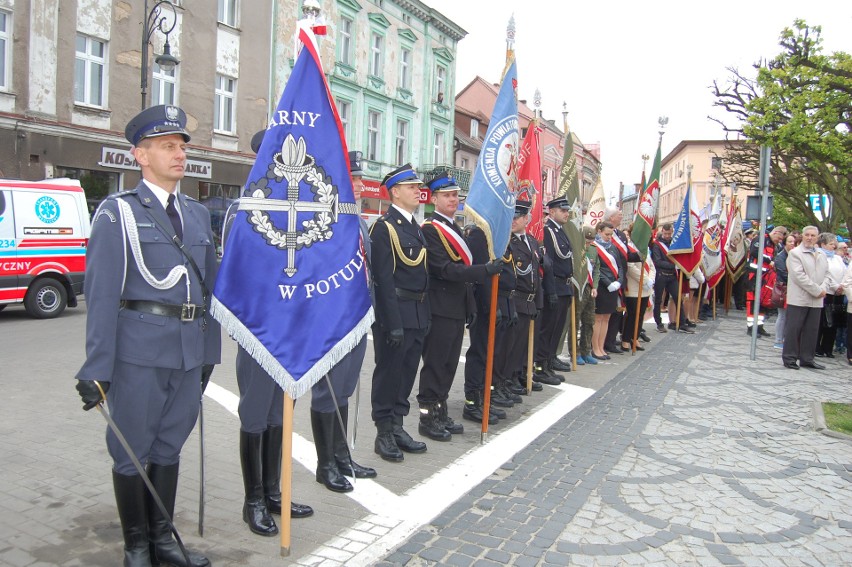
832,310
847,289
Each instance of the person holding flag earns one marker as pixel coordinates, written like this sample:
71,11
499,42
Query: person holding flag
586,309
451,302
666,279
403,314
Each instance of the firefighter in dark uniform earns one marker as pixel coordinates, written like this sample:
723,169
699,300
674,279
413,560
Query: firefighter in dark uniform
150,343
558,291
261,411
333,459
528,298
477,352
451,303
401,279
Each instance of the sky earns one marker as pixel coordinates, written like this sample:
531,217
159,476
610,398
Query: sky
621,65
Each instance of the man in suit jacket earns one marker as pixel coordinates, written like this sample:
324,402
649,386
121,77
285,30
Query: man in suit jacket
401,279
150,343
806,269
450,300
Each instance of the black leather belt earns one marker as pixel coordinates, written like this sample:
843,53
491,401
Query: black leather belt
530,297
505,293
184,312
410,295
666,272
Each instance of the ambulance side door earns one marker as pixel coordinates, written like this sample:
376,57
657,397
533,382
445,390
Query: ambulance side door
8,249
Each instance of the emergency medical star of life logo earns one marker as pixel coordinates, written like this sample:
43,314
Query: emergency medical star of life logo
294,165
47,209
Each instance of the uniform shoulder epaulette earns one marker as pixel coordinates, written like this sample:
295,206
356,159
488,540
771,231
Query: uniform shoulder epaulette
122,194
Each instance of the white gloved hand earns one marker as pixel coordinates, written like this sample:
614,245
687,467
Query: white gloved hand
614,286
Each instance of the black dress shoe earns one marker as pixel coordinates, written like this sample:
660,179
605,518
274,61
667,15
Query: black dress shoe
830,355
813,365
613,349
545,379
644,337
559,366
346,469
604,357
300,510
386,446
819,354
791,365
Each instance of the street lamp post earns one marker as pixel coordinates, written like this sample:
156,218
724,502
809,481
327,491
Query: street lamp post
156,20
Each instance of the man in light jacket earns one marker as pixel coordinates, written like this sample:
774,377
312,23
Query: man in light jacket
806,269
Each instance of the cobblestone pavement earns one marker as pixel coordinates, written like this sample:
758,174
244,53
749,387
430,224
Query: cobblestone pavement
693,456
687,454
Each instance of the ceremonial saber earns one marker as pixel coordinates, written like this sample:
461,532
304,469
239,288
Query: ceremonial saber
201,467
141,470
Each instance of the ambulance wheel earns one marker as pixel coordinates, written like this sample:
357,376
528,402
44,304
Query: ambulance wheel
46,299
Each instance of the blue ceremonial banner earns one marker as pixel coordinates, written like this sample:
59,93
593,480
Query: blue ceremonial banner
686,247
491,200
292,288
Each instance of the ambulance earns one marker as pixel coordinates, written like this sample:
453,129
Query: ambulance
44,231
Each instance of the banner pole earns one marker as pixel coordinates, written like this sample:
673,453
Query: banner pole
635,336
679,299
286,474
530,347
489,359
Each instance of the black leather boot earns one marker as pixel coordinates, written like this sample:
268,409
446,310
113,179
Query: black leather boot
473,408
342,456
430,423
255,512
322,424
130,500
559,366
164,549
403,440
447,421
385,445
272,475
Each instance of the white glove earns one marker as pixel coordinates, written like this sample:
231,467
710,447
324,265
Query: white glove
614,286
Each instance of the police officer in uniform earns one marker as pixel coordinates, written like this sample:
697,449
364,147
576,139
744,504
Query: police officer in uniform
558,291
330,397
401,279
150,343
450,300
261,411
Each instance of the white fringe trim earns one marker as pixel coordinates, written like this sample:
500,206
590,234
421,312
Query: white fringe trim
294,388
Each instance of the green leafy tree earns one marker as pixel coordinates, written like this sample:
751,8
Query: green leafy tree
799,104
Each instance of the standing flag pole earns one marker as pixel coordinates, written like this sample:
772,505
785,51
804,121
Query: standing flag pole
286,474
765,154
491,199
635,335
646,215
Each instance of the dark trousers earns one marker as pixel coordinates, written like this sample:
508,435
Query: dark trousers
800,334
664,284
517,340
553,321
477,352
155,409
832,305
343,379
441,352
614,326
631,315
261,399
395,373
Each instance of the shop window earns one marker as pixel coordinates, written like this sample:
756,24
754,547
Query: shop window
96,184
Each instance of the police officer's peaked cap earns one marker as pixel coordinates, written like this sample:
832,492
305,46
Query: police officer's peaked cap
257,140
161,120
355,164
442,182
558,203
522,207
401,175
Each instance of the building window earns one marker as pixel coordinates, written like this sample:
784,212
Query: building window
90,71
344,110
228,12
223,110
401,141
5,48
165,83
345,42
440,82
374,134
465,164
376,45
439,147
474,128
405,68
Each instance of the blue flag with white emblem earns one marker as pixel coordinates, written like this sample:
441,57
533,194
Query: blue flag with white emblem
292,287
491,200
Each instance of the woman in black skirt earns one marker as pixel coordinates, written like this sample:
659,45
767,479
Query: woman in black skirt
609,287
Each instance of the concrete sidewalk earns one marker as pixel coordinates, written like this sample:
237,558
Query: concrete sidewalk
688,453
